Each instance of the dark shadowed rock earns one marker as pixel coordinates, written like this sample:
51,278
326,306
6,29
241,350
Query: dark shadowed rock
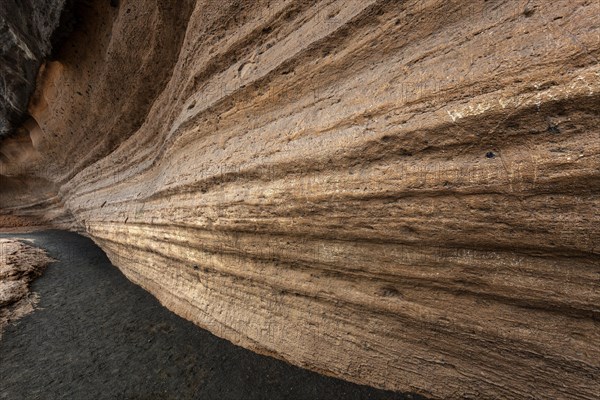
26,30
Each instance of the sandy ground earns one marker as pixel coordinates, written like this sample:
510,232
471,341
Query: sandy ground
96,335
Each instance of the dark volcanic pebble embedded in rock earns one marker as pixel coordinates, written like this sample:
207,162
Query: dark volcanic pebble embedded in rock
98,336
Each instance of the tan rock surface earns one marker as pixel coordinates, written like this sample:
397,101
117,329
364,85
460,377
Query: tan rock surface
401,194
19,265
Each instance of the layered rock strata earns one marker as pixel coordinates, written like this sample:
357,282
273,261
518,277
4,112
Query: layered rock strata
401,194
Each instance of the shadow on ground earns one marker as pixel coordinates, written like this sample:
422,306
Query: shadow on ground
96,335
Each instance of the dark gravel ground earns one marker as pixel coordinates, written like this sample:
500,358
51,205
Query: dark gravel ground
96,335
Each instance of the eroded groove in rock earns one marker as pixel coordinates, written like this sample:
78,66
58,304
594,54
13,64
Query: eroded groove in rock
401,194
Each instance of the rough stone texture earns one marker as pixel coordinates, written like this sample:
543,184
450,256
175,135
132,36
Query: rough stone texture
19,265
26,33
97,336
402,194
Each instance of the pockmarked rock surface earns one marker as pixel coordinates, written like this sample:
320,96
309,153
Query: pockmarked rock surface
400,194
20,264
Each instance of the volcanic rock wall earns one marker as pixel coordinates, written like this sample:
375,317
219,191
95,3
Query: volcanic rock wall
401,194
27,30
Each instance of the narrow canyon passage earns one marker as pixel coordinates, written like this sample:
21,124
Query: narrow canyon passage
96,335
399,194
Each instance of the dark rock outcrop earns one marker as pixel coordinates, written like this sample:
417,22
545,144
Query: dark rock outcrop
28,30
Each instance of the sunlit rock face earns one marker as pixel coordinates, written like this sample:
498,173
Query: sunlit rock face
401,194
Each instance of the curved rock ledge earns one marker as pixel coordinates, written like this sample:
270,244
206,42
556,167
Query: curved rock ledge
400,194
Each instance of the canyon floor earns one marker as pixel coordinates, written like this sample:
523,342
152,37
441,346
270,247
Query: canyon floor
96,335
